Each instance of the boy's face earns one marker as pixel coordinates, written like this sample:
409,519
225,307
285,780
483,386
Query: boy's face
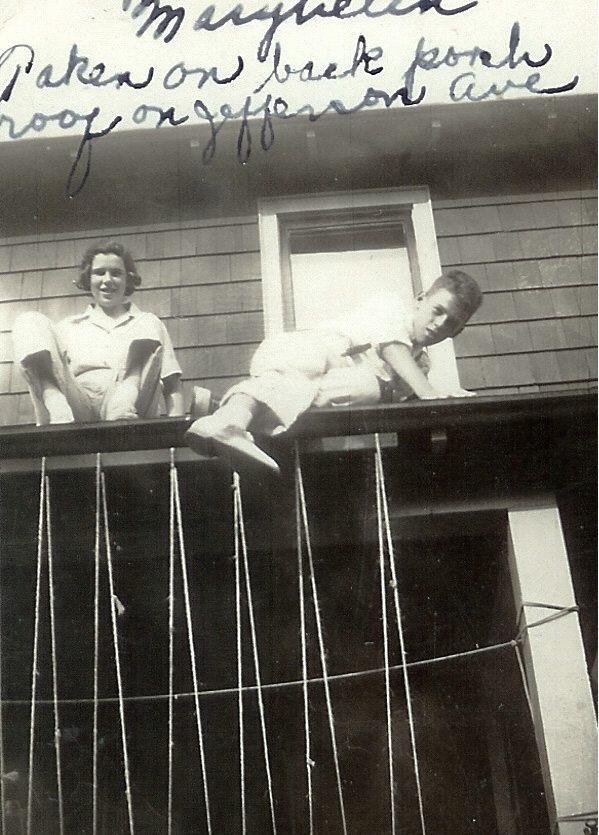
437,317
108,283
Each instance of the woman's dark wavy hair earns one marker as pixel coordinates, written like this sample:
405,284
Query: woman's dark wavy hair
108,248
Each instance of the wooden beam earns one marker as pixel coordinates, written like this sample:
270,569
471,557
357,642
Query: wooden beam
556,672
416,415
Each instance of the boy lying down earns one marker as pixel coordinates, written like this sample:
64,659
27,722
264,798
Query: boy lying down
375,354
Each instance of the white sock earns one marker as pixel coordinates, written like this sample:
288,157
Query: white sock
235,414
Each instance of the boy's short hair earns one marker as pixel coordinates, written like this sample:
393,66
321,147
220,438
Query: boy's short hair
462,286
108,248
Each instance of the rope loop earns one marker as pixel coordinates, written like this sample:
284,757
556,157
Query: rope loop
560,612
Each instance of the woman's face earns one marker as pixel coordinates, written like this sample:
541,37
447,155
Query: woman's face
108,283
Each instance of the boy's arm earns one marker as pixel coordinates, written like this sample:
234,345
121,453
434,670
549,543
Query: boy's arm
403,363
173,395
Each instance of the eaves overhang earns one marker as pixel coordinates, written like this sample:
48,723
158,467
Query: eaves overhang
462,447
150,175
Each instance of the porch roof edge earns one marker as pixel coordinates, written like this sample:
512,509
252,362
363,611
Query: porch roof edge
413,416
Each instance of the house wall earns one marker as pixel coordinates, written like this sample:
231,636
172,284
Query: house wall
534,256
202,280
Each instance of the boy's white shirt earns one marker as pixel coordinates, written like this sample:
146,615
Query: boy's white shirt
378,322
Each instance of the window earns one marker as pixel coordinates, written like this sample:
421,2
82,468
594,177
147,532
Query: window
325,254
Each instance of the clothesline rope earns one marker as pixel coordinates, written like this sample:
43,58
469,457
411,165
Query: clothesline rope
560,612
171,649
242,561
36,627
2,768
313,680
386,652
589,819
240,687
240,536
190,639
117,656
96,685
518,651
299,483
309,762
578,816
395,587
53,653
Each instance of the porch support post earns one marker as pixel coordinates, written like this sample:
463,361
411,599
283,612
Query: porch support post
558,680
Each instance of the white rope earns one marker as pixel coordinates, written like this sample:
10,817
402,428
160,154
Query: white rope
240,533
54,659
394,585
2,768
524,678
96,650
117,657
319,632
192,650
280,685
36,625
304,648
383,580
238,633
171,645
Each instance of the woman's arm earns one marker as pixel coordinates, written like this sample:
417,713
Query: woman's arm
173,395
403,363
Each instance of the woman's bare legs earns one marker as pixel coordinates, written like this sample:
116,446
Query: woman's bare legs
55,402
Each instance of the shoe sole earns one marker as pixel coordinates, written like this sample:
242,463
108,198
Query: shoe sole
200,444
238,460
242,462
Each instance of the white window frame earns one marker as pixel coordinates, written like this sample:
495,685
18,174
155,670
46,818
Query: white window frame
415,202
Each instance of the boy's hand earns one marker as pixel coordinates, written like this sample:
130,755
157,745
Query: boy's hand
443,395
462,393
401,361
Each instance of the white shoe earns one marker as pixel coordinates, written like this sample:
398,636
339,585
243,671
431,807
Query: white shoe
211,435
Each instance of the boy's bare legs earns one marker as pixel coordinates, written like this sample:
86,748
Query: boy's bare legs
239,410
226,432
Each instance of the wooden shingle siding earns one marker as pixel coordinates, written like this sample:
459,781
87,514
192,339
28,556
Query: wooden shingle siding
202,280
535,258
